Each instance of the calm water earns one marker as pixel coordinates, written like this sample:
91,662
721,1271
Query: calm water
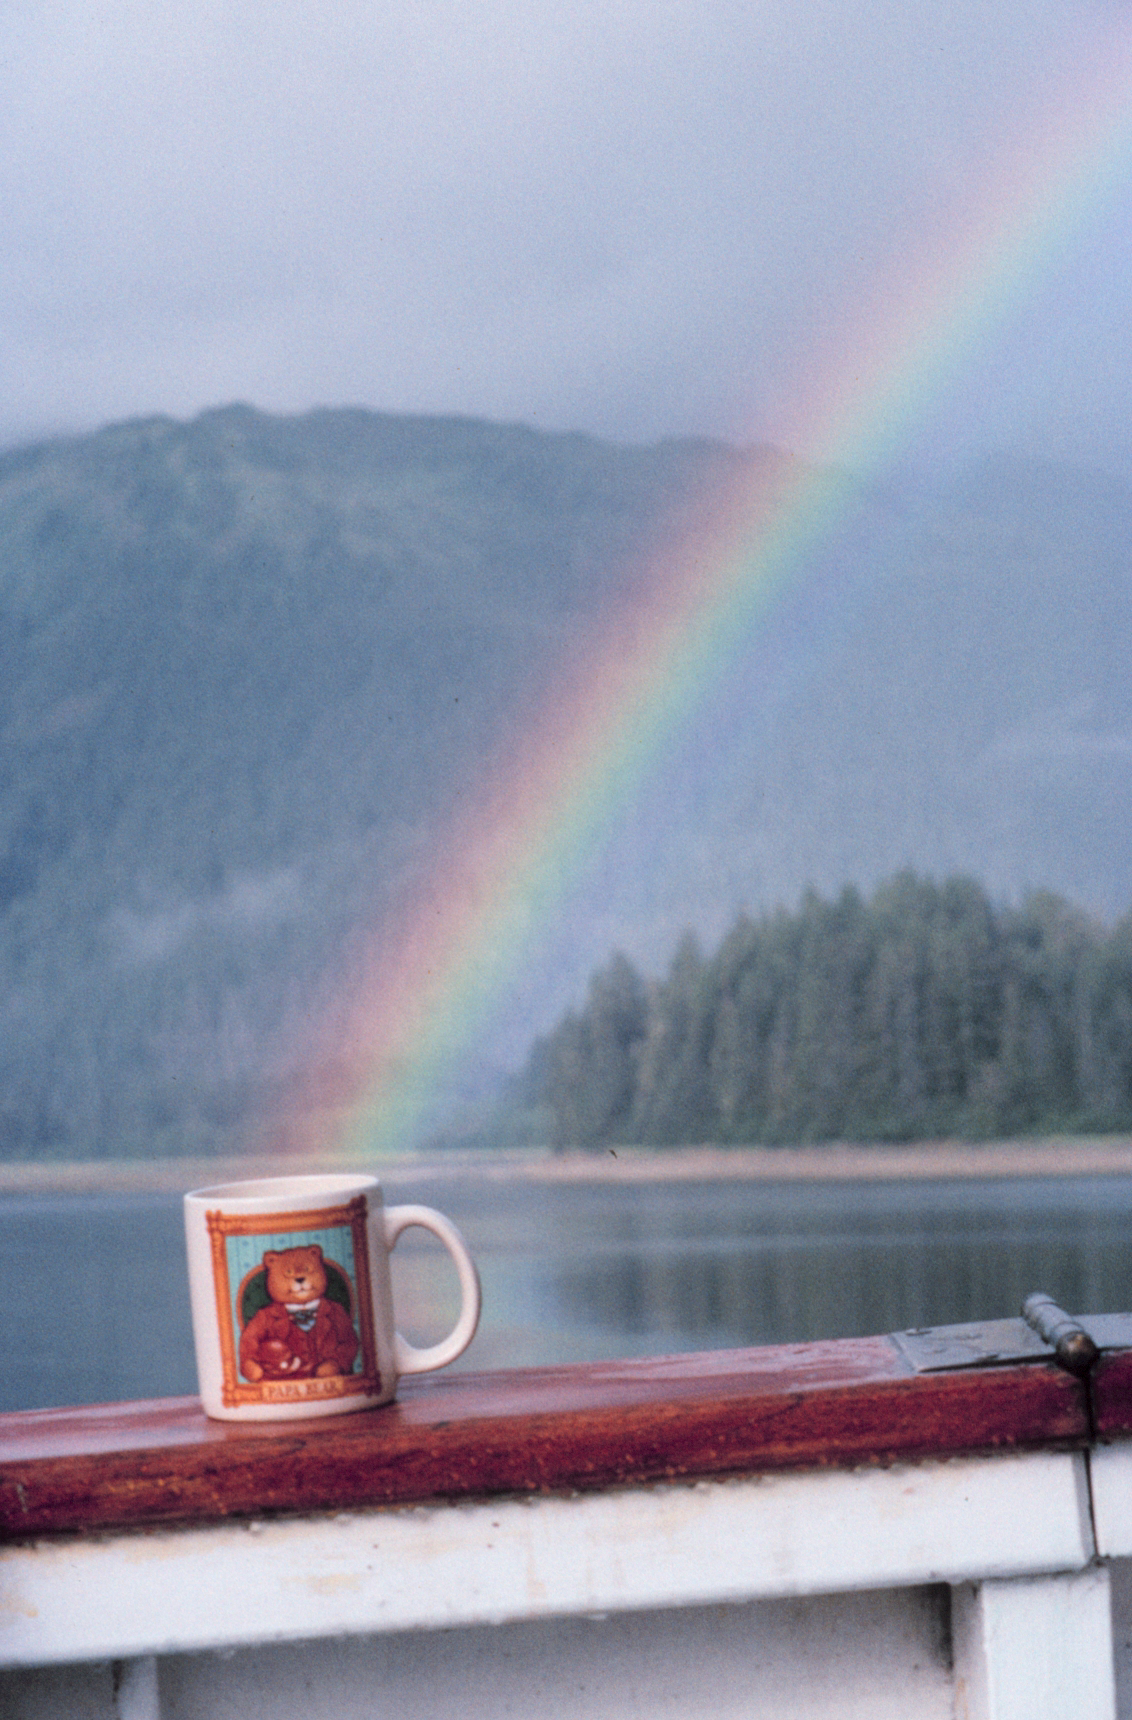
576,1272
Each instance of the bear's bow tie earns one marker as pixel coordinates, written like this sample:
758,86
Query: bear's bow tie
303,1314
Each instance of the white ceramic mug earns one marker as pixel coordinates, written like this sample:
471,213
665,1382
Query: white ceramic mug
292,1300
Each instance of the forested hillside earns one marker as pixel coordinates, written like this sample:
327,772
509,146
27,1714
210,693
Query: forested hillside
922,1012
246,664
251,666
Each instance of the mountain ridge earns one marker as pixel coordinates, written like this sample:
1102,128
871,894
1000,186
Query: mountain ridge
249,664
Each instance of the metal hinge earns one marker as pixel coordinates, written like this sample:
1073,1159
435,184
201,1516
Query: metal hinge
1044,1333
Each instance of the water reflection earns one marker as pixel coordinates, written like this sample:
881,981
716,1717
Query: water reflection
600,1271
578,1272
101,1287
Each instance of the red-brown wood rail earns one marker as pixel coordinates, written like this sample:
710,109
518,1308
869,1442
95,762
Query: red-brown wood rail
793,1406
1112,1395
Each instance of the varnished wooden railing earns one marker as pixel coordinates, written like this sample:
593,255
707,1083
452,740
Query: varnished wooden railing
846,1403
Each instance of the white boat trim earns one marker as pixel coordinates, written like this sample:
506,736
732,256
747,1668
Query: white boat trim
437,1567
945,1587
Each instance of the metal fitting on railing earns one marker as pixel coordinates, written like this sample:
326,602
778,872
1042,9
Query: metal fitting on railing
1073,1348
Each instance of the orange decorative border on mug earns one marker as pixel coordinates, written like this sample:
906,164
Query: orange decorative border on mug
352,1216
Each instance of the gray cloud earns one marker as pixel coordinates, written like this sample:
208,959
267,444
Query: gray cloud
1067,732
641,219
247,904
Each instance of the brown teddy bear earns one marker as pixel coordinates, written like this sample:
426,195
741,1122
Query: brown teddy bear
301,1333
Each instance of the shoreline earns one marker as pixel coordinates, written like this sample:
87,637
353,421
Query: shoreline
928,1161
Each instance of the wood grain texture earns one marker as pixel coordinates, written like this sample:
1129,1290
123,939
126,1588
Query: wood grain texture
530,1430
1112,1395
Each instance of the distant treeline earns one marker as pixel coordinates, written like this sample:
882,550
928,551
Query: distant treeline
248,666
924,1012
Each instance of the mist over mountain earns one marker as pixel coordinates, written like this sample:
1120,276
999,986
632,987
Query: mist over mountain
945,688
249,665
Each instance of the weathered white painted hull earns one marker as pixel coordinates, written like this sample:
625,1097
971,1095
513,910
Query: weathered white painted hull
765,1533
813,1594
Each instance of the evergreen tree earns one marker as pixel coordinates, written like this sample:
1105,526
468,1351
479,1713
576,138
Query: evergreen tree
923,1012
615,1020
672,1099
585,1070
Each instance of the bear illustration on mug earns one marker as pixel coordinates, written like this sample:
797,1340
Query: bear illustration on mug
292,1297
296,1310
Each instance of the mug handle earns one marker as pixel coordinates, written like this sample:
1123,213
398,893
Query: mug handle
408,1359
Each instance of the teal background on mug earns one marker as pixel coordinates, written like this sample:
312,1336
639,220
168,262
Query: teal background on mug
245,1253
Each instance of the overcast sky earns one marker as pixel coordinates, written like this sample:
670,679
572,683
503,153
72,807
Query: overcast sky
635,217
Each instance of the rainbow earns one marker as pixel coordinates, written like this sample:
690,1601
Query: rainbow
435,968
